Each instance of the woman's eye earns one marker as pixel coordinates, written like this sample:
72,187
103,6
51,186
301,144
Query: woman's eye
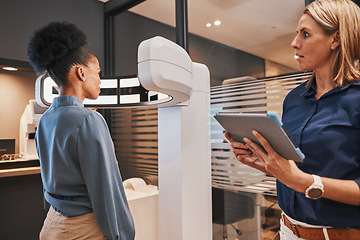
306,34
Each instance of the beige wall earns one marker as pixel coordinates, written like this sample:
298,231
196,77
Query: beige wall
16,89
274,69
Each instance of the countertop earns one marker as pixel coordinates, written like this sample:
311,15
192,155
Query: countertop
19,167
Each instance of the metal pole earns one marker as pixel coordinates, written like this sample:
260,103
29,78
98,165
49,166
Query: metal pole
182,24
109,45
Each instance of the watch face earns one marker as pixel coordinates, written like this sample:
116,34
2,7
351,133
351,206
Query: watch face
315,193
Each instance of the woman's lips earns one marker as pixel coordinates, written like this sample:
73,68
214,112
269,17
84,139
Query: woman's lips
297,57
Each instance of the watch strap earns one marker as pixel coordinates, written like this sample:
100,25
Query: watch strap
317,181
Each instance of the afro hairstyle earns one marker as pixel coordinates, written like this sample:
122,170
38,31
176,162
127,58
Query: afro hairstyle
55,48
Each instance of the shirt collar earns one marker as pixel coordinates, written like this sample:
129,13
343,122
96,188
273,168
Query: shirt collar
311,90
67,100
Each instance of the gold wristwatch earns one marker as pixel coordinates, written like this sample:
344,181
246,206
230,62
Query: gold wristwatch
316,189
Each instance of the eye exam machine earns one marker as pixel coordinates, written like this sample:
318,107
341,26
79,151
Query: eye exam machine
182,90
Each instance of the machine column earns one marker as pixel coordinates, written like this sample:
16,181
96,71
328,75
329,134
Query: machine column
185,165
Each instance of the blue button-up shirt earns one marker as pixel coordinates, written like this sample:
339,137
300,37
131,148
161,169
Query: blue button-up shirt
79,170
327,131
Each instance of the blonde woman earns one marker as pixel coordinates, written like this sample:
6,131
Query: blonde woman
320,197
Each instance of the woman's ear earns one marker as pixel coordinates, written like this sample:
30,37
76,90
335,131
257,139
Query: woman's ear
336,41
80,73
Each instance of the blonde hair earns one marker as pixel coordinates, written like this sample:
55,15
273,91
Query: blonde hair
342,16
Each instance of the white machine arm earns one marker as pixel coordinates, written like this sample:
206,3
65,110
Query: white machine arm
165,67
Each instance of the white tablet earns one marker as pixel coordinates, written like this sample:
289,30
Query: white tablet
240,125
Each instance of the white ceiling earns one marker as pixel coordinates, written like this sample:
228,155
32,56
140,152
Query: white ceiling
264,28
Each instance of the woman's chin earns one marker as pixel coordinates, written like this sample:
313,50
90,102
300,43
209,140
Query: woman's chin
304,68
93,97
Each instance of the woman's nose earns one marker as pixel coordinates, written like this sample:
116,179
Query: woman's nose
295,44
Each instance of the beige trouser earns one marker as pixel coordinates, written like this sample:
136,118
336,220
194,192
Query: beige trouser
57,226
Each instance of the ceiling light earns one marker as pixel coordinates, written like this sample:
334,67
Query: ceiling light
10,68
217,22
208,25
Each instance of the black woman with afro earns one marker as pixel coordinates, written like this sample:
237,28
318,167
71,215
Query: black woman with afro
79,170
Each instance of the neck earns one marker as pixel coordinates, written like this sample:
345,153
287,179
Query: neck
324,84
70,91
324,76
72,86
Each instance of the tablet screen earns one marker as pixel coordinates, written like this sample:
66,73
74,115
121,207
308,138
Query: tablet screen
240,125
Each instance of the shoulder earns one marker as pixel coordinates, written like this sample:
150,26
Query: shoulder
297,93
301,89
94,128
95,117
354,87
95,121
83,113
350,97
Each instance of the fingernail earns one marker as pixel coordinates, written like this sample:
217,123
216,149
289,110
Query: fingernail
245,139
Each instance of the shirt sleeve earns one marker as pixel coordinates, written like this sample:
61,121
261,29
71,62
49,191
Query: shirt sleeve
357,180
284,106
102,178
